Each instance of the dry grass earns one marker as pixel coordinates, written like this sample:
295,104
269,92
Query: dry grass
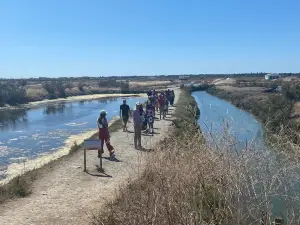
149,83
188,181
36,93
295,113
19,187
258,90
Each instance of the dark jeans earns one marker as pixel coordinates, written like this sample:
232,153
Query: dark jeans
137,136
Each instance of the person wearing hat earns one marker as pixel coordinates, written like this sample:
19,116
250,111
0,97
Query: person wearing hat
104,135
137,123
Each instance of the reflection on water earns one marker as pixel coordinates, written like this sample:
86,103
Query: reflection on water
11,119
275,171
54,109
28,134
219,118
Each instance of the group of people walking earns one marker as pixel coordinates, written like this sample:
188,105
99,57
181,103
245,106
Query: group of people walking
161,101
143,119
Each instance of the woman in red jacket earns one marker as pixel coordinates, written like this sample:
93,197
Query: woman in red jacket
104,135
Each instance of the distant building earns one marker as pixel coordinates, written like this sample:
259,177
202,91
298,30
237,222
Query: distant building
184,77
272,76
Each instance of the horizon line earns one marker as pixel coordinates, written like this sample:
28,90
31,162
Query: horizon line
161,75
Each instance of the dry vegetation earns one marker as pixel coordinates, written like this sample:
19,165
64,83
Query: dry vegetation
188,182
14,92
153,83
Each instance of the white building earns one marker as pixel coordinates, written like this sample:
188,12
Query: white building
272,76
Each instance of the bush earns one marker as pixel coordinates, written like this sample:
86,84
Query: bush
55,89
80,87
201,87
291,92
109,83
124,87
12,94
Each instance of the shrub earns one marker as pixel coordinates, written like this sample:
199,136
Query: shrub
50,89
55,89
124,87
291,92
80,87
69,85
12,94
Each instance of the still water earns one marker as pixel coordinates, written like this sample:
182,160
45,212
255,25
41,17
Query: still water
218,116
28,134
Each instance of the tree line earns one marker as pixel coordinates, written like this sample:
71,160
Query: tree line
13,92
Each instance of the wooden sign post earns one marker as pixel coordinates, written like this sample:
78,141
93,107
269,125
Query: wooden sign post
91,144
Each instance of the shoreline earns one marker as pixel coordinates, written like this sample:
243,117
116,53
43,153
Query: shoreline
61,193
270,135
44,102
27,170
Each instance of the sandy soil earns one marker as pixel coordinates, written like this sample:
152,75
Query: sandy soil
224,81
64,194
69,99
149,83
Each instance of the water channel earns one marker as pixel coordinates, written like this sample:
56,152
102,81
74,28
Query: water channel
218,116
27,134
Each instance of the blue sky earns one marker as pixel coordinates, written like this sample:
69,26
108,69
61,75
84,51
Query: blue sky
146,37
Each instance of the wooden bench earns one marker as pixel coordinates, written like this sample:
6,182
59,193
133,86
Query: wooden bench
91,144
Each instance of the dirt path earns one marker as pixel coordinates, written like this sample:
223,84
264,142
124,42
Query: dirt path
67,195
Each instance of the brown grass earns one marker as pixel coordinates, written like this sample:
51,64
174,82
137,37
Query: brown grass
242,89
188,182
149,83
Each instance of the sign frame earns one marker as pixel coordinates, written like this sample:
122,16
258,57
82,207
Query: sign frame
91,144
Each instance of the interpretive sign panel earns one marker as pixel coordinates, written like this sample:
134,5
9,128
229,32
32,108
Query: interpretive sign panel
92,144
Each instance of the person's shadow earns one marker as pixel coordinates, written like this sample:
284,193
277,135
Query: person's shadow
111,159
99,175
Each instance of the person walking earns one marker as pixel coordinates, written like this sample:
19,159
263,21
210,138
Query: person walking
104,135
150,116
124,114
172,97
161,102
166,106
156,103
137,123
